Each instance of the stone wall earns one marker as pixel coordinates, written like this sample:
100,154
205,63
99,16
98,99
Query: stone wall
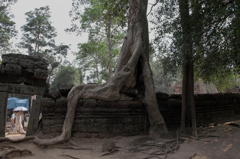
17,69
210,108
94,117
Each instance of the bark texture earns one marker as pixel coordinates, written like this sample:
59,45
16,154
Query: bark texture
133,72
188,114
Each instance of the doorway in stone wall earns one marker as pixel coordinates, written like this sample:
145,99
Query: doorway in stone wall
22,103
31,119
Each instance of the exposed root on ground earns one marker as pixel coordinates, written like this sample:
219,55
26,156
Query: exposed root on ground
11,152
70,156
72,148
110,152
2,139
171,146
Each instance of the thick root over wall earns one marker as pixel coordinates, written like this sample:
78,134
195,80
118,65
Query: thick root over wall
134,58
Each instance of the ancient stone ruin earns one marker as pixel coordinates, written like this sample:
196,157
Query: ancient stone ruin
26,75
29,70
210,108
22,74
94,117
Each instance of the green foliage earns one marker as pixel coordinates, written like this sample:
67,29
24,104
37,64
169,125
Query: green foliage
39,35
7,26
214,34
38,32
90,57
39,38
105,21
66,75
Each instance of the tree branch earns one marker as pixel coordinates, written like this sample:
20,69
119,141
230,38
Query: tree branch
153,6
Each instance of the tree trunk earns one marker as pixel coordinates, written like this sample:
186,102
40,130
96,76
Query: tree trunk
133,72
188,105
109,34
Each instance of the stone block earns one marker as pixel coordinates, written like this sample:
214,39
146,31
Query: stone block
26,63
28,73
90,103
175,96
40,74
3,78
2,69
41,64
15,79
13,69
40,82
9,60
61,102
61,110
161,95
48,102
54,94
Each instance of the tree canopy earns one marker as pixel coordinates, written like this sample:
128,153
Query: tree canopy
66,76
105,21
214,33
7,26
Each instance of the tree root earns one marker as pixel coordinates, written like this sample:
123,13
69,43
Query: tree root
13,152
70,156
174,145
110,152
72,147
2,139
192,156
108,92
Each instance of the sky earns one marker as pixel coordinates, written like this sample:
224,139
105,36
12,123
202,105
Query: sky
59,17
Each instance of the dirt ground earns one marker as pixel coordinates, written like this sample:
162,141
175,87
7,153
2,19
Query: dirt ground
214,142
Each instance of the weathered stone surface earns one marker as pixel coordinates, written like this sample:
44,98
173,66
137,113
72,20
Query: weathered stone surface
41,64
48,102
40,82
90,119
40,74
2,69
54,94
9,60
13,69
15,79
28,73
6,78
3,78
162,96
61,102
26,63
90,103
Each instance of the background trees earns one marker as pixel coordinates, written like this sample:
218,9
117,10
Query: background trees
7,26
39,38
66,76
105,21
193,36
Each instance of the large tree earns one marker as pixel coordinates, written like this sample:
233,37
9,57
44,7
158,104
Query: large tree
7,26
38,33
105,21
133,73
39,38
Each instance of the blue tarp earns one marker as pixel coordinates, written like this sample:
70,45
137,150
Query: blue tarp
17,102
